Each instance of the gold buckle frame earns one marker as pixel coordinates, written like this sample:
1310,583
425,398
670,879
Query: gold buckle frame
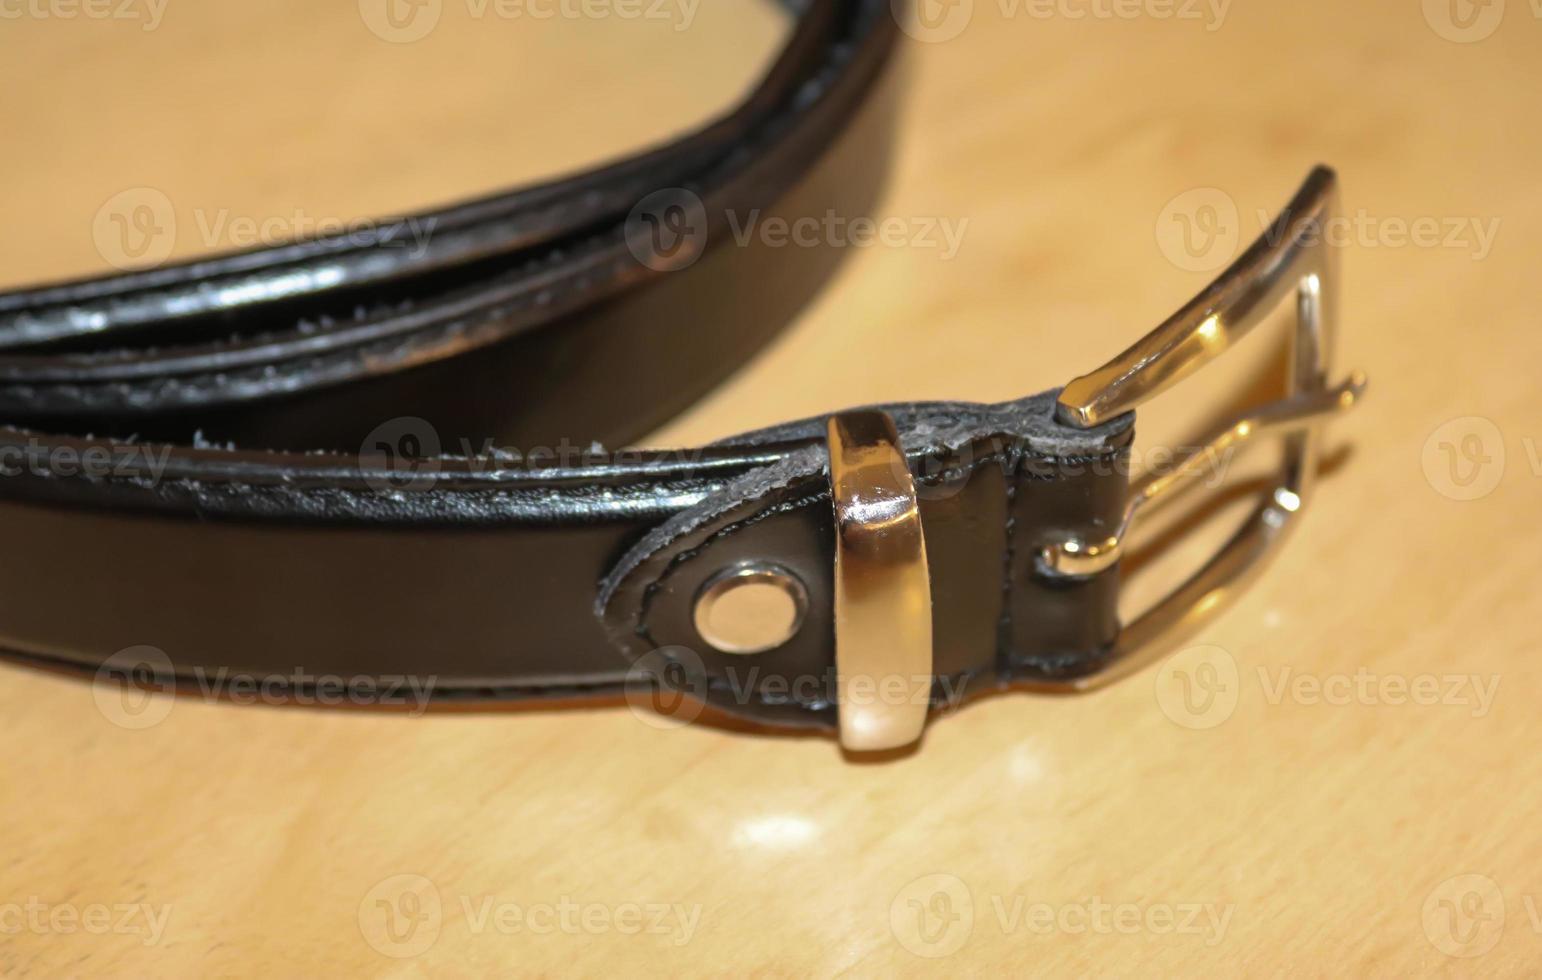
1292,256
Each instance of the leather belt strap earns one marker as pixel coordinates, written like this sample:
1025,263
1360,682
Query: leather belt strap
231,520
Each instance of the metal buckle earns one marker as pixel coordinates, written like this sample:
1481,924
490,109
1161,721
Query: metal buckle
1292,255
883,617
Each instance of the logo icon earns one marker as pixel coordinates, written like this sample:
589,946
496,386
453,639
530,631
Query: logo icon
1464,21
401,916
666,688
1199,230
401,21
933,21
133,687
1464,459
667,230
1465,916
1198,688
400,454
135,229
933,916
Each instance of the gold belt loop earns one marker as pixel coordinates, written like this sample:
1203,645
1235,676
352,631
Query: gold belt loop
883,594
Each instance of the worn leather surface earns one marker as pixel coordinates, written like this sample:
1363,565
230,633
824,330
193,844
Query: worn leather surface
291,473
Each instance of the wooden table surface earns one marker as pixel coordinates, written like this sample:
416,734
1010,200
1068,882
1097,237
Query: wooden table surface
1338,776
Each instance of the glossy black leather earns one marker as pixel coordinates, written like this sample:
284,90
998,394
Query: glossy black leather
995,484
243,528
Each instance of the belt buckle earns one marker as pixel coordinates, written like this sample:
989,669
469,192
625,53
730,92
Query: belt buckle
882,603
1293,255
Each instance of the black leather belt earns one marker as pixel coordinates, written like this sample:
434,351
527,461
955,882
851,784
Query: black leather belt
857,572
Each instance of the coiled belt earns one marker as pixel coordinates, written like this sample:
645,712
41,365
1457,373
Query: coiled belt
342,458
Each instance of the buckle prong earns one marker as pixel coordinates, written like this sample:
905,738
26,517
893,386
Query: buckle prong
1076,557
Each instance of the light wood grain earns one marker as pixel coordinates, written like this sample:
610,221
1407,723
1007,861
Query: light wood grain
1322,833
